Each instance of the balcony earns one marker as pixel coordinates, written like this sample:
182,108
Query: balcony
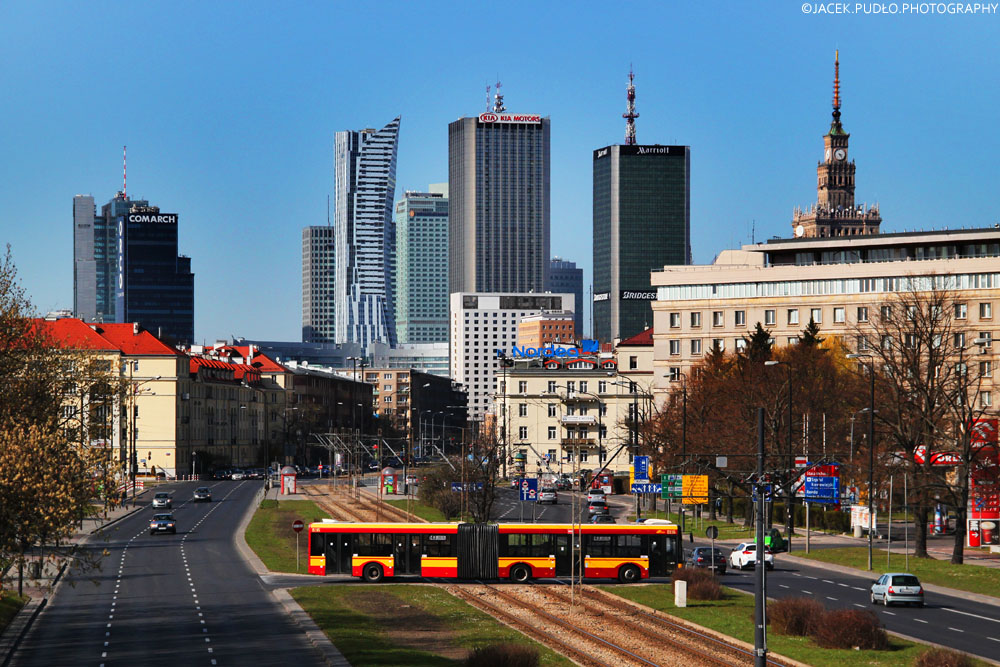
573,443
588,420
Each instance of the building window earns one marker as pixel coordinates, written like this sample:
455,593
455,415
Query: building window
552,409
741,344
602,386
793,315
675,346
571,386
522,386
885,312
674,374
986,311
522,409
552,433
839,315
387,399
719,344
985,399
522,432
633,363
695,346
793,340
583,385
988,337
718,318
552,387
862,313
886,342
741,318
959,340
986,369
961,311
862,344
816,315
675,320
770,317
696,319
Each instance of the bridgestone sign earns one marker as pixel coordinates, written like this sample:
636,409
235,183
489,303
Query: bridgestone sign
630,295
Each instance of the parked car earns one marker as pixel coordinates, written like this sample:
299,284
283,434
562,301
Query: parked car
707,557
548,495
202,494
595,494
602,518
412,480
564,484
598,506
162,501
898,587
162,523
237,475
744,555
220,474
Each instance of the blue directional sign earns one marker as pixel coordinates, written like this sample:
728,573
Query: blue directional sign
469,486
529,489
641,467
822,489
647,487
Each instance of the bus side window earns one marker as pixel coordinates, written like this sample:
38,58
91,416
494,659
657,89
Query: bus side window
629,546
317,544
541,546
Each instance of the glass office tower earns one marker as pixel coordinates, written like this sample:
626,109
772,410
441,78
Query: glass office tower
422,266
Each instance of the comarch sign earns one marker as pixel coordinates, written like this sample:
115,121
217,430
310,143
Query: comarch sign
521,352
158,218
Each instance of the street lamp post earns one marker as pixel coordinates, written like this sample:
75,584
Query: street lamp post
871,452
789,528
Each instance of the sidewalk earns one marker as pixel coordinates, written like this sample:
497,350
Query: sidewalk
40,590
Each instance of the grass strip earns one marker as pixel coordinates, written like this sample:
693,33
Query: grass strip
425,512
271,537
972,578
406,624
10,604
733,616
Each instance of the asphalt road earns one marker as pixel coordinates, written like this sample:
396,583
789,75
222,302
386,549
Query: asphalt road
508,507
947,620
184,599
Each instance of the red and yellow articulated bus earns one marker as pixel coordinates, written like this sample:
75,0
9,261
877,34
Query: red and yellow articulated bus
516,551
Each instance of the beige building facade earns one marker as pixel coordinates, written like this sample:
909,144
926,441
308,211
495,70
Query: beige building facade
837,282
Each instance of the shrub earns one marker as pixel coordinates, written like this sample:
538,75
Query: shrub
503,655
796,616
939,657
701,584
851,628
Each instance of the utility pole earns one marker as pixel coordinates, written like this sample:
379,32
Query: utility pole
760,571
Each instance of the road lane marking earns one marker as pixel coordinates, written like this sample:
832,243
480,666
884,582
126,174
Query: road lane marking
993,639
891,613
830,598
808,577
956,630
807,592
859,605
827,581
919,620
783,586
858,588
965,613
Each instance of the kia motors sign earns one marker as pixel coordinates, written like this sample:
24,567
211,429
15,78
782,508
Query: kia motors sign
520,119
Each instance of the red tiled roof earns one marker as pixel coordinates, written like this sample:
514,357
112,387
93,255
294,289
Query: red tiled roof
72,333
261,362
124,338
240,371
644,338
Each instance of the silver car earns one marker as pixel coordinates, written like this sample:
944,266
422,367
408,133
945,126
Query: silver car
897,587
548,495
162,501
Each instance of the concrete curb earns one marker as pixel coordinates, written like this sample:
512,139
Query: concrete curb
317,637
12,635
932,588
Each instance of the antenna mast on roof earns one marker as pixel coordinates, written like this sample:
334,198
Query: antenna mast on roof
498,106
328,210
630,115
124,174
487,98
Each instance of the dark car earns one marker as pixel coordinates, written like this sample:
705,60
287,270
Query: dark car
707,557
220,474
564,484
598,507
202,494
162,523
602,518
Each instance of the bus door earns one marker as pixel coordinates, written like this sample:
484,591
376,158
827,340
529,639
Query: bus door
658,546
406,553
339,549
564,560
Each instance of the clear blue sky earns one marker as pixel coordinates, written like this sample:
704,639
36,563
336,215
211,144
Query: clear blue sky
229,110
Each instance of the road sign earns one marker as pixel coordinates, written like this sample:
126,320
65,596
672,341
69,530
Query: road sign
801,461
695,489
711,532
672,486
647,487
529,488
822,485
458,487
641,465
297,525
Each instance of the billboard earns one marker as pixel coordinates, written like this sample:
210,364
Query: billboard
637,295
490,117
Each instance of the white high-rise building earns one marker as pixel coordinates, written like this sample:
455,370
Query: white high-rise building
364,235
483,323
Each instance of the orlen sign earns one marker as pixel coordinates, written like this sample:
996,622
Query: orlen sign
519,118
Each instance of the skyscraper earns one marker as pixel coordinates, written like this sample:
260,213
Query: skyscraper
498,218
317,284
364,234
422,266
154,285
84,263
642,221
565,277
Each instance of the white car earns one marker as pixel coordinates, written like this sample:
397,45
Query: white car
595,494
744,555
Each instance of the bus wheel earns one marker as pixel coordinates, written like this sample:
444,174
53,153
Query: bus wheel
372,573
629,574
520,573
